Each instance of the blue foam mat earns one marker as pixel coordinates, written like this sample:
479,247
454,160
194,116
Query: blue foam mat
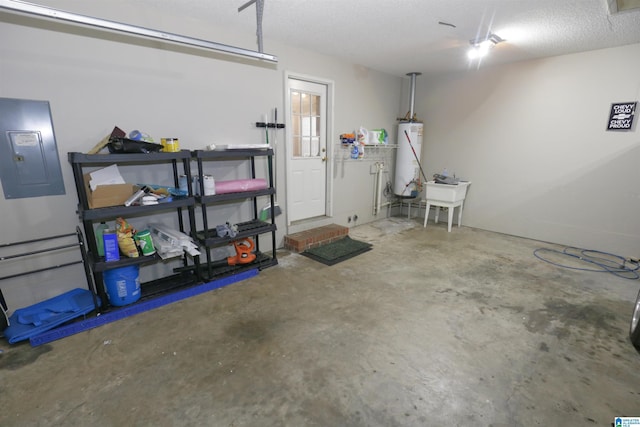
38,318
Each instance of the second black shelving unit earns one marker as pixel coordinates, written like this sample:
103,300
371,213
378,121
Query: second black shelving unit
253,228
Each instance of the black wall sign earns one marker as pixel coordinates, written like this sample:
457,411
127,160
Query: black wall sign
621,116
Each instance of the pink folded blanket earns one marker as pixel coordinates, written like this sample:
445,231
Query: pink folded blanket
239,185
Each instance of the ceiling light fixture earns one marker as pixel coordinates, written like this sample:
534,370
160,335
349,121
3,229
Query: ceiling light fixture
481,46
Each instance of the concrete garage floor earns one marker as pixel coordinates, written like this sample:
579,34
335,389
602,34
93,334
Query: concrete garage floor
429,328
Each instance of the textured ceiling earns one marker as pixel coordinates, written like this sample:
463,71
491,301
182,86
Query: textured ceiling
401,36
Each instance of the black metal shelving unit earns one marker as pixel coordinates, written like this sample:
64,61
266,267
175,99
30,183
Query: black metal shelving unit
253,228
88,218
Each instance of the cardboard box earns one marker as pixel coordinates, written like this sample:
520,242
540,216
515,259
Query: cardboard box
108,195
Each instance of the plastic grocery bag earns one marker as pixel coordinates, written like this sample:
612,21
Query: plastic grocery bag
125,233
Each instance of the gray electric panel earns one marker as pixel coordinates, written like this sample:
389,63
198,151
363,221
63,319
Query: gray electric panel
29,162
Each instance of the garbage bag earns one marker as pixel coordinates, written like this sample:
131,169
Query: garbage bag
125,145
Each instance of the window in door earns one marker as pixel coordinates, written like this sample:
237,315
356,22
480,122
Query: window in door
305,119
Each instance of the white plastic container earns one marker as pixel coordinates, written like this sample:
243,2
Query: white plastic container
209,185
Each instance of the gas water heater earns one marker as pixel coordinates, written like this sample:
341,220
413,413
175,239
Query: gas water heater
409,142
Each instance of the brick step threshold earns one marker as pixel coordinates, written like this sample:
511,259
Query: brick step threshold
300,242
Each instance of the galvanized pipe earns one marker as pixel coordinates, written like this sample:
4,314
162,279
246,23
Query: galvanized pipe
412,94
47,12
53,267
24,242
39,251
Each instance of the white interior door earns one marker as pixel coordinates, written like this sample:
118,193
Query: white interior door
306,149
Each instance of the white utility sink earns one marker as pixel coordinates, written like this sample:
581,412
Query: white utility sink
449,196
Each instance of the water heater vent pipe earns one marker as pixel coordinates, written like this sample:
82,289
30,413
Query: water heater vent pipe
412,94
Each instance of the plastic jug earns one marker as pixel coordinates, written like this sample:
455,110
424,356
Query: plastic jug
100,229
354,151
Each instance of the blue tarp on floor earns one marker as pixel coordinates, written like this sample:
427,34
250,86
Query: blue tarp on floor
43,316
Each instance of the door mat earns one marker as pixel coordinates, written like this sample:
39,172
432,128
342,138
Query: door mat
338,251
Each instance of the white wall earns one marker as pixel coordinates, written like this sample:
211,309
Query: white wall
531,137
95,81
